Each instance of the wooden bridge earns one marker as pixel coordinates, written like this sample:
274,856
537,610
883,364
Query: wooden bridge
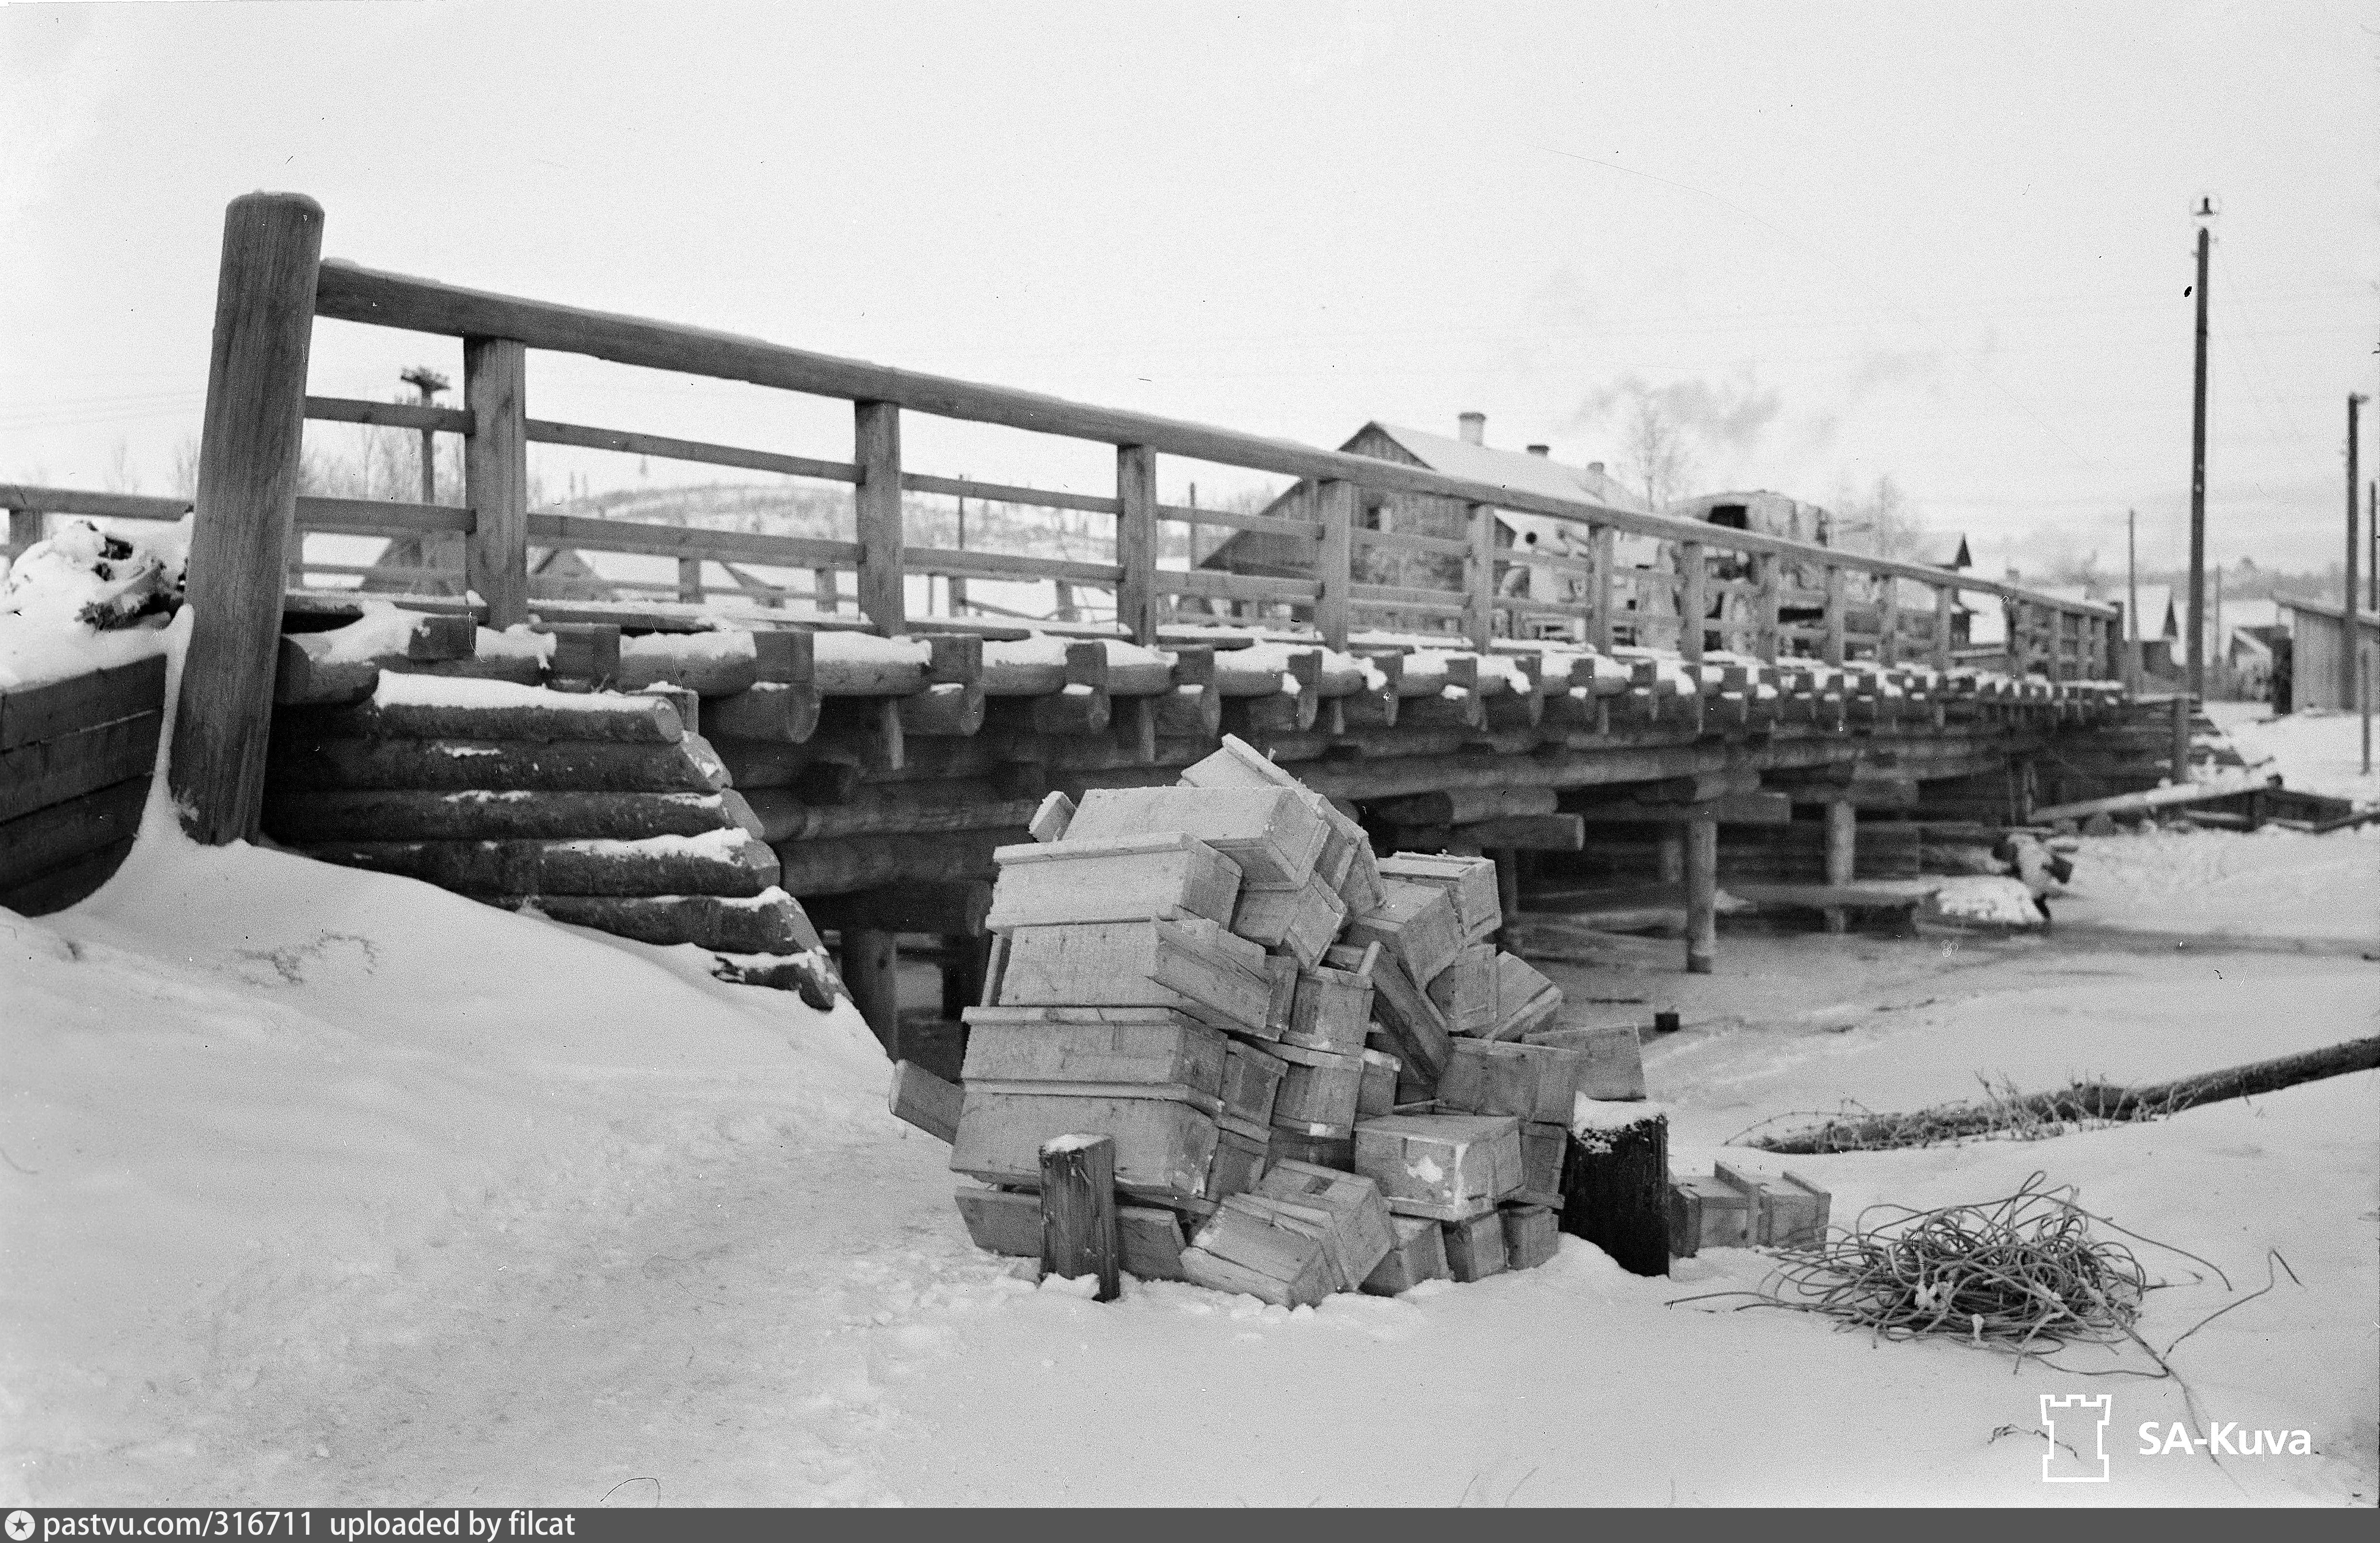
1629,718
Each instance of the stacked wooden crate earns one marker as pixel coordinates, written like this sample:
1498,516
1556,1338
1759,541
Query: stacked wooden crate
1222,978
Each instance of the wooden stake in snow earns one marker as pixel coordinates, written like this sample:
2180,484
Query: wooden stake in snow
1615,1184
1079,1210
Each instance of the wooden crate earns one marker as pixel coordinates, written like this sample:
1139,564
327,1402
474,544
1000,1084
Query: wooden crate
1194,966
1173,1058
1415,1028
1615,1060
1346,857
1272,833
1544,1149
1165,1149
1382,1072
1441,1166
1475,1246
1470,881
1538,1083
1009,1221
1525,1000
1251,1085
1323,1151
1331,1010
1466,991
1707,1211
1360,1234
1251,1247
1414,922
1418,1254
1788,1210
1319,1092
1301,922
1240,1163
1532,1233
1127,879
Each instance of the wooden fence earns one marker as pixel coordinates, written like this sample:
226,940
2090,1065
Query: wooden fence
273,286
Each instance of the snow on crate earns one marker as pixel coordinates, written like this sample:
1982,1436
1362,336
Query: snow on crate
85,599
1222,980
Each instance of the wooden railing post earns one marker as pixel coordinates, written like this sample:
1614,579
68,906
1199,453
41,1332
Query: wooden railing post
1888,621
1692,599
1767,603
1605,551
495,475
1479,579
1136,544
25,527
1946,600
246,501
1334,505
1838,620
876,450
689,581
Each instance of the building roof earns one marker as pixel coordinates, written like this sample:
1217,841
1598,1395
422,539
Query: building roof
2158,617
1943,549
1516,469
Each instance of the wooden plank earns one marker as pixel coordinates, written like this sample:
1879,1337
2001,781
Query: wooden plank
1001,564
1441,1166
611,535
388,415
62,887
1466,991
926,1101
876,441
32,498
542,431
71,831
728,924
1123,879
495,475
1615,1062
380,517
53,709
546,716
1008,493
53,770
1078,1212
1192,966
1475,1246
1419,1254
1301,921
250,448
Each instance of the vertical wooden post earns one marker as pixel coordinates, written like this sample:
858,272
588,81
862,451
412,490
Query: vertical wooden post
2179,762
1888,621
1838,616
1605,551
247,501
1842,853
25,527
1616,1193
1701,896
1136,544
495,475
1693,600
689,581
1334,505
1078,1211
1508,885
965,956
876,448
1946,601
1772,578
1479,579
871,968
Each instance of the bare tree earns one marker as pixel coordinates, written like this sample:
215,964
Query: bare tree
1882,521
1658,455
122,475
185,468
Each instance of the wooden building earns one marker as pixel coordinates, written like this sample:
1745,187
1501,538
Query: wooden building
2319,668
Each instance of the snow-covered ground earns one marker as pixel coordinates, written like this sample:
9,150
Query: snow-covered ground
323,1186
2316,751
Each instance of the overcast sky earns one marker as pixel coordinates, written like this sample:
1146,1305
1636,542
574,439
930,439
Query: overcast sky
1945,244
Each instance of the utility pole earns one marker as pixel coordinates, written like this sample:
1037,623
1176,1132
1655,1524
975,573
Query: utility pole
2196,680
2350,627
955,587
2132,594
429,383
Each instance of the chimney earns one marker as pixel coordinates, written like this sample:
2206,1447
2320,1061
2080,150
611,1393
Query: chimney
1475,428
1595,467
1541,450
